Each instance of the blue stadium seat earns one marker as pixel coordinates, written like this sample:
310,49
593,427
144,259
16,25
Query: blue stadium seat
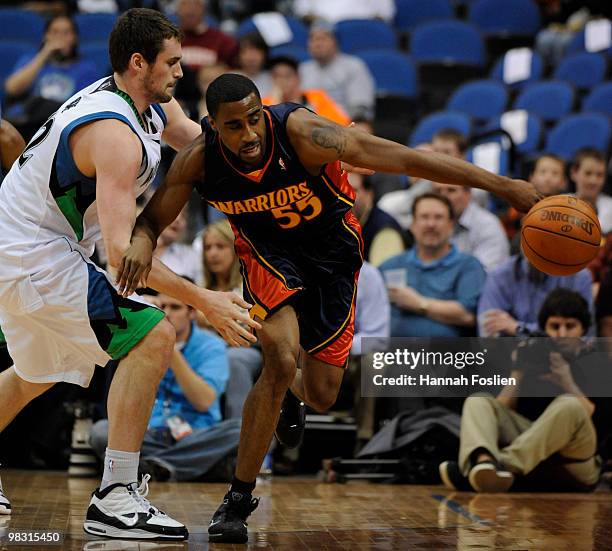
599,100
98,53
515,17
365,34
577,45
533,137
431,124
298,53
393,72
94,27
21,25
578,131
481,99
10,52
582,69
537,68
299,30
550,100
448,42
410,13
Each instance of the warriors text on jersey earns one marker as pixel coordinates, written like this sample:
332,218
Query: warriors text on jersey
60,313
296,236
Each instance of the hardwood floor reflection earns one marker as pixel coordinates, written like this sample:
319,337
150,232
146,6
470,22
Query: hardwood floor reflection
303,514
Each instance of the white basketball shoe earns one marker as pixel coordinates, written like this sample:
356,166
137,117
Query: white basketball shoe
122,511
5,504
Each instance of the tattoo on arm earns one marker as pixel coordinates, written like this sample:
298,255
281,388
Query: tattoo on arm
330,137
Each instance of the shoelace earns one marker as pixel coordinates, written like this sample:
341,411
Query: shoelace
140,495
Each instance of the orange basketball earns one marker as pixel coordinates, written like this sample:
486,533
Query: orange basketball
561,235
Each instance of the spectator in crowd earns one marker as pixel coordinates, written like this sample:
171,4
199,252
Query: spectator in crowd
286,87
202,45
372,322
179,257
478,231
603,307
561,19
252,61
433,288
344,9
514,293
509,436
602,263
197,110
548,175
186,436
382,235
399,203
222,273
344,77
43,81
589,174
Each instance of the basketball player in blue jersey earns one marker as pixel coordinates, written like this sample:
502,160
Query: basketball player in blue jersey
76,182
275,172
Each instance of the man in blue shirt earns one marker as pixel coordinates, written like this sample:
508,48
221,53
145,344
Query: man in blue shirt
186,435
515,291
433,288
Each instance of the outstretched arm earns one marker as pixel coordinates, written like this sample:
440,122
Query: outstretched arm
318,141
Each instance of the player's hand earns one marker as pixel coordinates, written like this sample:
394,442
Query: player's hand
226,313
521,195
135,266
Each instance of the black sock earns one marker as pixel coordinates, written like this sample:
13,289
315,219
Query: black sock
242,487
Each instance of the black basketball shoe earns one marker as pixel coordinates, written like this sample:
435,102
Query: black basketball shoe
452,477
122,511
290,428
228,524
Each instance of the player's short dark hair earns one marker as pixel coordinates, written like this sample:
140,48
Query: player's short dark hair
284,60
587,153
453,135
437,197
139,30
228,88
565,303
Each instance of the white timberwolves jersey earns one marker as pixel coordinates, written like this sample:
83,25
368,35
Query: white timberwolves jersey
44,197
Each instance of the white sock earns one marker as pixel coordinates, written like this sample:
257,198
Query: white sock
120,467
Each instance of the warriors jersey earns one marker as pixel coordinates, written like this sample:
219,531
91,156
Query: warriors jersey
296,236
45,197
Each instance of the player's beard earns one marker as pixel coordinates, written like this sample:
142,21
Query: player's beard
155,95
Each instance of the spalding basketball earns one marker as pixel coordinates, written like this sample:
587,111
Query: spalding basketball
561,235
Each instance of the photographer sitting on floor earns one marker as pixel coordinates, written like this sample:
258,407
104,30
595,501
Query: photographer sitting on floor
554,441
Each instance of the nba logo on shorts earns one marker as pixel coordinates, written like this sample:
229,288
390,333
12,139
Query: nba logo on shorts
111,464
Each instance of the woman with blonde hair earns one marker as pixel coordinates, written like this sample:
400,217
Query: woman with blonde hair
222,273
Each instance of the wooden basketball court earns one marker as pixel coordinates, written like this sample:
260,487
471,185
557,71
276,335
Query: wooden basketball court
299,514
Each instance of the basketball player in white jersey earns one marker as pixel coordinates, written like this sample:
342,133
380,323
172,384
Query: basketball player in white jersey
77,180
